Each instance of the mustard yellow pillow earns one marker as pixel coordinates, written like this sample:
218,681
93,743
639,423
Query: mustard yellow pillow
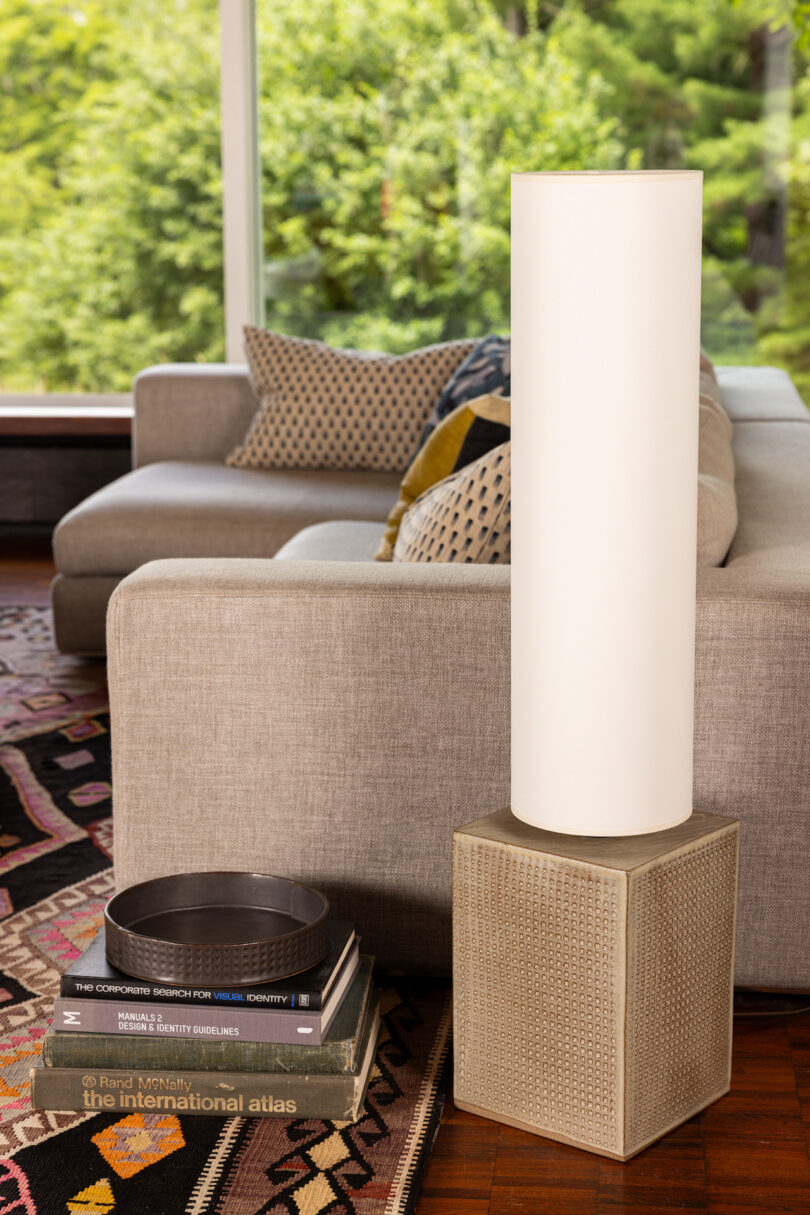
469,432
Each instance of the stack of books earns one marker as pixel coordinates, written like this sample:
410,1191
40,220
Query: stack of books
295,1048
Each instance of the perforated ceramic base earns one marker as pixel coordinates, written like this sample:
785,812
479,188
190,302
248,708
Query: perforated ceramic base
593,978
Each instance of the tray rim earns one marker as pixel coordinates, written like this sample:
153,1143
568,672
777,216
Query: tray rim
215,945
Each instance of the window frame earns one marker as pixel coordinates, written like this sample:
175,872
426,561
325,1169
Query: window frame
241,180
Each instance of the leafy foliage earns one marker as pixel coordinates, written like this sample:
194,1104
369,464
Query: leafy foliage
389,130
110,223
387,185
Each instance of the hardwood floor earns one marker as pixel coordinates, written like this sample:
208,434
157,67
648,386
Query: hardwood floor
748,1154
26,565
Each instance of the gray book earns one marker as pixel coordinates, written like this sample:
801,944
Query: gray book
339,1051
138,1019
219,1094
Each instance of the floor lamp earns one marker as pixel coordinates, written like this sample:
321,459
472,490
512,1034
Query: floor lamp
593,930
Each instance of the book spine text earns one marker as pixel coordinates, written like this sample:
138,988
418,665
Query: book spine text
186,1021
222,1094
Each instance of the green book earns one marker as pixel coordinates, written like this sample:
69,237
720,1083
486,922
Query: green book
336,1096
338,1053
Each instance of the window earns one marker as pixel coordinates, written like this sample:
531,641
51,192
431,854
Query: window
388,132
389,129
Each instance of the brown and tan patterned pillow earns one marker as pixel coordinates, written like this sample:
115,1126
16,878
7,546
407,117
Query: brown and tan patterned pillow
465,518
339,409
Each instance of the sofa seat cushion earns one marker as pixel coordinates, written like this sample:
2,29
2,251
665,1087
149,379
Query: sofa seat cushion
200,509
346,540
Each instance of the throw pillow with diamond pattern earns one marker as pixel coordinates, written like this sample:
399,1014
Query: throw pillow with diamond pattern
322,407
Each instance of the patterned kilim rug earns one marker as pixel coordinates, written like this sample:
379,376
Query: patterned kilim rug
55,876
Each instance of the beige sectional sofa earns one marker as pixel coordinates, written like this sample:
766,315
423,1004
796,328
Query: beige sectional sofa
180,500
330,718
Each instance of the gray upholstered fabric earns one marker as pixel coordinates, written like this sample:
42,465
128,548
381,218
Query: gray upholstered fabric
341,541
752,754
378,719
335,721
751,393
193,509
329,721
199,411
190,411
79,612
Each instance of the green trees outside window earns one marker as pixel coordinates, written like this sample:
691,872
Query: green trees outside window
110,190
389,129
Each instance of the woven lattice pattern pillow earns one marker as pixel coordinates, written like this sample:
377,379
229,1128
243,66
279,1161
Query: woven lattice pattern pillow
470,431
339,409
465,518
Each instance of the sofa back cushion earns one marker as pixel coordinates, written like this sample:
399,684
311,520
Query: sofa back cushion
717,498
465,517
339,409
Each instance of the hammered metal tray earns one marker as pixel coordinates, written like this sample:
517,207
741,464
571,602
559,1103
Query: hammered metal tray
223,928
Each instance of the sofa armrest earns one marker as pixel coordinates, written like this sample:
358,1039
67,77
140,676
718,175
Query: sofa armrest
190,411
331,722
752,755
335,721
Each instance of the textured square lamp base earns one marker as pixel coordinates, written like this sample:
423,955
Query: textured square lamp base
593,978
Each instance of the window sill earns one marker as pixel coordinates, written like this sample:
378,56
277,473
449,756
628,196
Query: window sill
65,416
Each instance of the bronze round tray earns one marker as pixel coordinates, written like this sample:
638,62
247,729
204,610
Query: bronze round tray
216,928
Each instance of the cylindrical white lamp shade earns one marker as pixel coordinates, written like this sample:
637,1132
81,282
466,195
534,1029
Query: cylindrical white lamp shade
605,375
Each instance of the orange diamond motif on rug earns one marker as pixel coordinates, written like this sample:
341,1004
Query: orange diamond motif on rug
138,1141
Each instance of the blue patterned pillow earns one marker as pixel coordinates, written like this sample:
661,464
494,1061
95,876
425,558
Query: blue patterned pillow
486,371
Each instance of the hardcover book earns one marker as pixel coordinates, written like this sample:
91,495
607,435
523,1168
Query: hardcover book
339,1051
92,977
202,1021
222,1094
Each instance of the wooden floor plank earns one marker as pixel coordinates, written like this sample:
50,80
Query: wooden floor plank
670,1173
463,1161
541,1199
762,1176
429,1204
535,1174
26,568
